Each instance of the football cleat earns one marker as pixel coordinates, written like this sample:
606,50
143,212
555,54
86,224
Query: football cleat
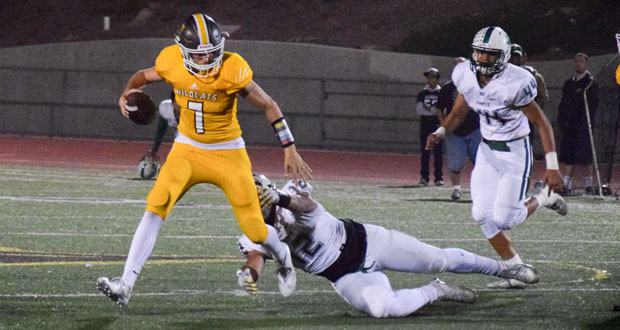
287,278
453,293
423,182
523,273
439,183
246,282
507,284
115,289
456,195
559,205
554,201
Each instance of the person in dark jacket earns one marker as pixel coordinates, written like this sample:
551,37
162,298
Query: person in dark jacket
575,148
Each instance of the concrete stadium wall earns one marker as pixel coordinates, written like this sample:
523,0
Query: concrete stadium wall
333,98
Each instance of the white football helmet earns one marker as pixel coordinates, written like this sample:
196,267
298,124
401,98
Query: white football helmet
148,168
494,42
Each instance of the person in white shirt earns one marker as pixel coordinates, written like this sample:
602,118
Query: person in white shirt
353,255
503,96
426,107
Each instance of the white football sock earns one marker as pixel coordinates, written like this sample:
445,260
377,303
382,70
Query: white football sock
568,182
273,244
587,181
141,246
515,260
461,261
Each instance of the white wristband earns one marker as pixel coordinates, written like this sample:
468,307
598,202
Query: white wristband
552,161
440,131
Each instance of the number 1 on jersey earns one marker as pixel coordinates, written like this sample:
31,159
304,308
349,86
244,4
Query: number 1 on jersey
198,115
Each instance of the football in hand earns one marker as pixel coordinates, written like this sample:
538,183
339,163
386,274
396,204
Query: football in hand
141,108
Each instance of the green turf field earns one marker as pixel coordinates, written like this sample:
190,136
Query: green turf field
60,229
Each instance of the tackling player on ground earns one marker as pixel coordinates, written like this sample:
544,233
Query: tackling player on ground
353,255
503,96
169,112
208,147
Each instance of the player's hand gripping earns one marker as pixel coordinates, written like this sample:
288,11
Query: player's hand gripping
122,101
553,179
246,282
294,165
267,197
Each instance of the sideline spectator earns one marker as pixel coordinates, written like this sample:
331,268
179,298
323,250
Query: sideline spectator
575,148
464,141
429,121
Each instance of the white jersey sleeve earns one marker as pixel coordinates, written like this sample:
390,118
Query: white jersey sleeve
166,110
498,103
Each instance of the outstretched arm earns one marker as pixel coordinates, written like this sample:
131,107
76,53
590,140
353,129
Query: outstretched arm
454,119
552,176
294,165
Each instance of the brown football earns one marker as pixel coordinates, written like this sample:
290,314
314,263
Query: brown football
141,108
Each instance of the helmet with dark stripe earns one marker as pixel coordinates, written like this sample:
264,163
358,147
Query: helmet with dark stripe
493,42
200,36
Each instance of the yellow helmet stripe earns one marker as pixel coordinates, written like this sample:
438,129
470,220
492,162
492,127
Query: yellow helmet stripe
201,25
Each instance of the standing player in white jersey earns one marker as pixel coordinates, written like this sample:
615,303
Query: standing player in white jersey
353,255
503,96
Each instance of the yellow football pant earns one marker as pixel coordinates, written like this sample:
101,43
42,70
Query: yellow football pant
230,170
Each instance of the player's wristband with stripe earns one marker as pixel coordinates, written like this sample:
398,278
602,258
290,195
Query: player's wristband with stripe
280,127
552,161
285,199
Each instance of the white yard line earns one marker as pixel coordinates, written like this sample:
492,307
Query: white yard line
271,293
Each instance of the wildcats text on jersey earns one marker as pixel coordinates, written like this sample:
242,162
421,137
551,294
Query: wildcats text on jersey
196,94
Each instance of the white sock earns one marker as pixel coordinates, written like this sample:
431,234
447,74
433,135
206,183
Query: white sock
457,187
587,181
274,246
543,197
461,261
515,260
141,246
568,182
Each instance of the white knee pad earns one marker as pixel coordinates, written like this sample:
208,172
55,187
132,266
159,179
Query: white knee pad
507,217
376,301
484,218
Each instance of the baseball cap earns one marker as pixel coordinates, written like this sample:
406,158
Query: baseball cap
516,50
432,71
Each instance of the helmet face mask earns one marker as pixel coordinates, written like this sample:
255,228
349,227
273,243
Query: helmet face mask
200,39
261,180
490,51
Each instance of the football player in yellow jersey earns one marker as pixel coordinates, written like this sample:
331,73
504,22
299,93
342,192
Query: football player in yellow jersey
208,147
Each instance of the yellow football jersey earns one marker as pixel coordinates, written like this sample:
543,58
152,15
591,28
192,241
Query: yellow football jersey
209,104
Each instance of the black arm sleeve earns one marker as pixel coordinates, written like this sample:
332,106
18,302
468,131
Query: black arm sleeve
159,135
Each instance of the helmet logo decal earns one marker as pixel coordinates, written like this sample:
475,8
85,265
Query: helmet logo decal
487,36
201,25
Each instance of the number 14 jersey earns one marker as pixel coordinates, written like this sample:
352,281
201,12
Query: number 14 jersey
499,102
